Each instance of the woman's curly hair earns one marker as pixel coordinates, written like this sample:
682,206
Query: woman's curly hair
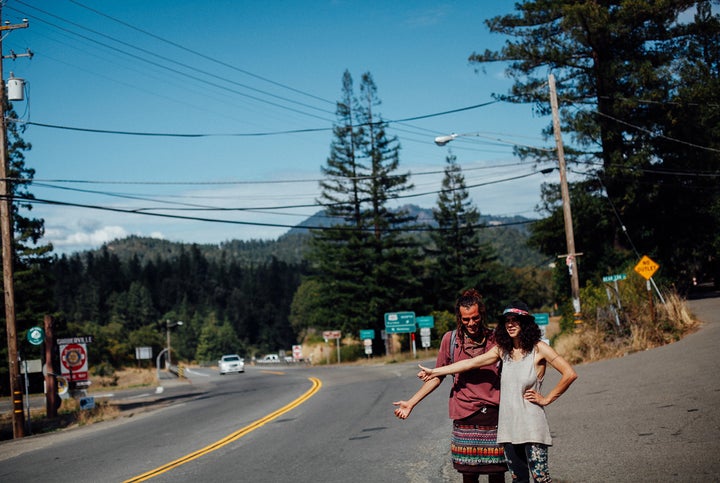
529,335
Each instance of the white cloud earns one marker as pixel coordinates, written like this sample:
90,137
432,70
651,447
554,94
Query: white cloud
80,240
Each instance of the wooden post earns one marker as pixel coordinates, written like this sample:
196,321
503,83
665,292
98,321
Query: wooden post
51,395
567,212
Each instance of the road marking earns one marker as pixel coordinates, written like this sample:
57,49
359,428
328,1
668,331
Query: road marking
195,373
316,385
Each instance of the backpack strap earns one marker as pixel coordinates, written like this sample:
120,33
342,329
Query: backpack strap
453,336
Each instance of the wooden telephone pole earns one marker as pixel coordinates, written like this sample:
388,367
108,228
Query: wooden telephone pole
6,225
571,256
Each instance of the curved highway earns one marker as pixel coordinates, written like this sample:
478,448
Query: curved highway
650,416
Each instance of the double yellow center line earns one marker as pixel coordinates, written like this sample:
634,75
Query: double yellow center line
316,385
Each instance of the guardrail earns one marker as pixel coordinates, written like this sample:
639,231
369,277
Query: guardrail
178,370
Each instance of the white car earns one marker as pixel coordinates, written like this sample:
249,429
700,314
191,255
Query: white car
270,359
231,363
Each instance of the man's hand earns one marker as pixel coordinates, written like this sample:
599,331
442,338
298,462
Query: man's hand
425,374
403,409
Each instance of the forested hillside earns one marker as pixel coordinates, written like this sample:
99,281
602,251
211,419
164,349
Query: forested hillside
232,297
507,235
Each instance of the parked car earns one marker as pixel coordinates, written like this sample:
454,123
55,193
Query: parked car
231,363
270,359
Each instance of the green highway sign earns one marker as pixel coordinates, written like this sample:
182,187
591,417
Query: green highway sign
425,321
542,319
367,334
399,322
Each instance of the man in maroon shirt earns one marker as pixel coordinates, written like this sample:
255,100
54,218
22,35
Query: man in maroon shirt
474,396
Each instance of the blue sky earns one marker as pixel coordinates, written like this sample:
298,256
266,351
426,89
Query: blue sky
240,75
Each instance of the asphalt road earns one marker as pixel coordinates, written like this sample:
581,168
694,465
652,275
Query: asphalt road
650,416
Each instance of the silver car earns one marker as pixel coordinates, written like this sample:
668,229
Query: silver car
231,363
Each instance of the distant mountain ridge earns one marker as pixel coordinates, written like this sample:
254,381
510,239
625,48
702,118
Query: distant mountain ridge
508,235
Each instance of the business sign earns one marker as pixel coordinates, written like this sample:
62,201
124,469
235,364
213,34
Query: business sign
73,362
85,339
400,322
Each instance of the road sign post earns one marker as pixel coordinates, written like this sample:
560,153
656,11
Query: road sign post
647,268
367,336
333,334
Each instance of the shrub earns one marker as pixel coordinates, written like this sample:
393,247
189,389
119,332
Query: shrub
617,323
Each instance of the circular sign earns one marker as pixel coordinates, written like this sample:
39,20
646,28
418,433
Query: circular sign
62,385
73,357
36,335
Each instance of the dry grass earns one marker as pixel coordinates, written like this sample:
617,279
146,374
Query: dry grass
602,337
125,379
70,415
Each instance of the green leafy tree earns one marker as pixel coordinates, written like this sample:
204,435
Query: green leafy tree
307,311
217,339
618,65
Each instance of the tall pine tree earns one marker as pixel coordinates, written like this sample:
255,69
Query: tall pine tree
461,261
363,265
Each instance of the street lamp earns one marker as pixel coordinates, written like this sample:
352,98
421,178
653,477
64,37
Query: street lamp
443,140
168,326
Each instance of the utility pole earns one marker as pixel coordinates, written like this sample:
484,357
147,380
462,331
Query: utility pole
571,256
6,235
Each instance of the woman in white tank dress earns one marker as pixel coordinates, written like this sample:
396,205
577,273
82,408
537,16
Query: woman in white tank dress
522,426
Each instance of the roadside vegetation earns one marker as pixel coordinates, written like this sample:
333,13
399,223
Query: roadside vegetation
602,336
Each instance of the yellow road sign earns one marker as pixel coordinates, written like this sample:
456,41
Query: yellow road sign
646,267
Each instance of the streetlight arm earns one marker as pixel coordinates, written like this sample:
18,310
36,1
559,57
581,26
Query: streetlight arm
443,140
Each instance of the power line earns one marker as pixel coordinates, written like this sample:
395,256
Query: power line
175,71
662,136
194,207
185,48
249,223
254,182
255,134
